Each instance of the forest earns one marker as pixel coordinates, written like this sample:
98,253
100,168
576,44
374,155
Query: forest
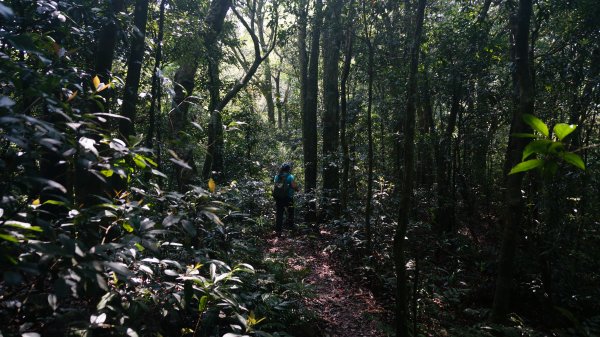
445,156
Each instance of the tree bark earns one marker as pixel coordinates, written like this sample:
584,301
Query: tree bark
402,313
156,90
513,202
331,95
134,69
309,120
344,111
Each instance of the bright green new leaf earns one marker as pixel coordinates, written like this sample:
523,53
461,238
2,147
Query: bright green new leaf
536,124
539,146
562,130
139,161
574,159
526,166
127,227
107,173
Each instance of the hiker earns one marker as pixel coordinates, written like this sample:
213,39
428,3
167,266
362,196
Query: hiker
283,192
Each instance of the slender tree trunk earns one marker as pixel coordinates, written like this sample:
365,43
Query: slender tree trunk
513,200
344,113
309,120
445,219
134,69
331,55
156,85
402,313
370,75
267,82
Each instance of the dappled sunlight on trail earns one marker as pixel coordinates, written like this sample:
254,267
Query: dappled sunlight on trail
344,308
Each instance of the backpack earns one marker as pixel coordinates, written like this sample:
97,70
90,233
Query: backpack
281,188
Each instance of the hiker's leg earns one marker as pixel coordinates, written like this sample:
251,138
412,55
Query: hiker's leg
280,207
290,213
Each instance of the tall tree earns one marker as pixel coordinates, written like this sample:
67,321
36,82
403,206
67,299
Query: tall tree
209,33
513,200
213,164
402,313
331,38
349,40
370,77
134,69
309,118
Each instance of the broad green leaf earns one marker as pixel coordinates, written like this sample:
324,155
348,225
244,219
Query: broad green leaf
536,124
562,130
556,148
526,166
539,146
574,159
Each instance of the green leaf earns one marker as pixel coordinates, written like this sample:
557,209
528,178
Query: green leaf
107,173
536,124
202,304
128,227
9,238
562,130
526,166
139,161
539,146
574,159
23,225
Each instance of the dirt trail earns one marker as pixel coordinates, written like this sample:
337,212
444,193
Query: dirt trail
345,309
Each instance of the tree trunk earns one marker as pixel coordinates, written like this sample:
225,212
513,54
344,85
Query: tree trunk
267,83
513,202
309,120
156,85
402,313
445,218
134,69
370,75
331,55
344,113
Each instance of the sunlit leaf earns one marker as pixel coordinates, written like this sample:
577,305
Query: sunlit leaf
211,185
107,173
562,130
127,227
574,159
536,124
139,161
96,82
526,166
8,238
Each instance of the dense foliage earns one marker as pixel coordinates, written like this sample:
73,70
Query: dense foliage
138,140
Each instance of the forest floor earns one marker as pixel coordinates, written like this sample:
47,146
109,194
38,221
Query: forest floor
343,307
